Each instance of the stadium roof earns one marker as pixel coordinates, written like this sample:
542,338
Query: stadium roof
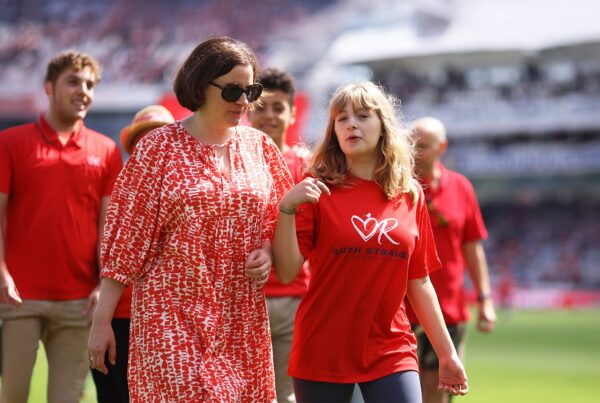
477,26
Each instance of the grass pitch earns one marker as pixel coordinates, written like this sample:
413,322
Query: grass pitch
531,357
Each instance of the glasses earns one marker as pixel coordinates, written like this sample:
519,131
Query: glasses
233,92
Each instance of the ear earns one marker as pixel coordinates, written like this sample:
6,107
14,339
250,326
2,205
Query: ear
293,113
443,147
48,88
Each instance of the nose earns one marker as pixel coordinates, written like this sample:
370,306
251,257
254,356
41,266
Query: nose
351,123
243,100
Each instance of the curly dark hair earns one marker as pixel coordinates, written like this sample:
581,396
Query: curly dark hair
273,79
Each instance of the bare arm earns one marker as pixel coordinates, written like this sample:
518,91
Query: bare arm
102,337
423,300
286,253
8,291
478,271
104,201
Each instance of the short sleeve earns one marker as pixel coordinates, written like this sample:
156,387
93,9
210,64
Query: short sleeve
6,170
134,218
281,183
114,165
474,228
424,258
306,228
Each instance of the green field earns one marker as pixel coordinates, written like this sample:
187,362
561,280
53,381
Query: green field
536,356
37,393
532,357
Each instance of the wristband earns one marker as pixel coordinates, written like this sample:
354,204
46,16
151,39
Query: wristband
289,211
483,296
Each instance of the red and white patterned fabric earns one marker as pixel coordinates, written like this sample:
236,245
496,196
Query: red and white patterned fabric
180,231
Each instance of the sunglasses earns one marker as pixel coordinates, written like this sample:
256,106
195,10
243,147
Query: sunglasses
233,92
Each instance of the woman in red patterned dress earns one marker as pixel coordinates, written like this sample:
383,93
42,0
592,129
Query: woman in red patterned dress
188,227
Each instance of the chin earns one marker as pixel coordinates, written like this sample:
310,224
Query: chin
233,122
80,115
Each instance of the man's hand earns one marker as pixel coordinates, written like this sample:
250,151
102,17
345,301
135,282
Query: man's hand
8,290
92,302
486,318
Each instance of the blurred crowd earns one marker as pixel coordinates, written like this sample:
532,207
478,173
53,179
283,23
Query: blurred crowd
143,42
544,244
524,95
514,83
135,41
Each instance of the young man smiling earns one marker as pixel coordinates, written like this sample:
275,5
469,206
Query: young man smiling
56,177
274,116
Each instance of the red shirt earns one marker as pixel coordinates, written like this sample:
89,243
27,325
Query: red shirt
54,194
297,159
455,219
363,249
123,309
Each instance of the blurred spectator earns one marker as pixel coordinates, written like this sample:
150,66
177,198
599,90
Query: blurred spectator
459,230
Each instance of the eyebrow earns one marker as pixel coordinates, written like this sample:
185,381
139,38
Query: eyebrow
76,77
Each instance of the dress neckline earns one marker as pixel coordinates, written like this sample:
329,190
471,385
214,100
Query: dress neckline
229,141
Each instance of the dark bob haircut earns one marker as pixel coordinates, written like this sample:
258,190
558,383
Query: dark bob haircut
209,60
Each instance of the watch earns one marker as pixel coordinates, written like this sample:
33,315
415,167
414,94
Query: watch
482,296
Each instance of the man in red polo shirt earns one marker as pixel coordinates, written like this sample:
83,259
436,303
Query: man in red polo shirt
458,230
274,116
56,177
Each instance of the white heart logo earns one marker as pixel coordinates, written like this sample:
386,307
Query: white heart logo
384,227
365,224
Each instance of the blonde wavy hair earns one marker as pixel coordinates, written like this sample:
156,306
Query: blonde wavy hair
395,161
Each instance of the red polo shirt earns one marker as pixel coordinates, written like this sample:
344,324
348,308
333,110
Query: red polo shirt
54,194
297,160
455,219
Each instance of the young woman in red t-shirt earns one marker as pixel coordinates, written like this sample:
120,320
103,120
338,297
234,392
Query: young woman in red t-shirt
362,223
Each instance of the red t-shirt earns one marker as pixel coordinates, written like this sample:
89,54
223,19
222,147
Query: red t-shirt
123,309
54,194
455,219
351,326
297,160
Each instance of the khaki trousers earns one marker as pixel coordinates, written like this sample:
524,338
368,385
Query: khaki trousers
282,312
63,328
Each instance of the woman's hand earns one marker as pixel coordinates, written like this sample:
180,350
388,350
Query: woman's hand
309,190
258,265
452,376
102,339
